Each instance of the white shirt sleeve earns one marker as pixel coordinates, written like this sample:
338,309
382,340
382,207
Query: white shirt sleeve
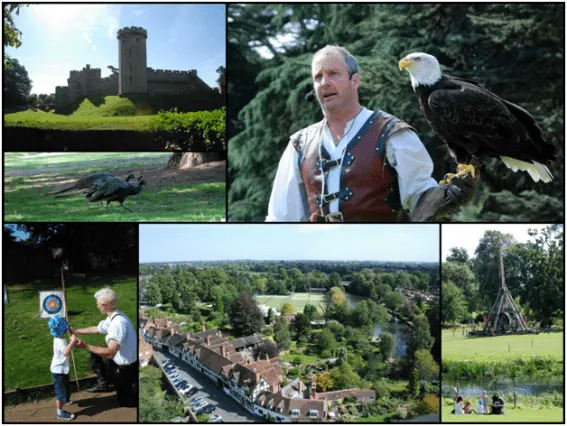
287,199
103,326
117,331
412,162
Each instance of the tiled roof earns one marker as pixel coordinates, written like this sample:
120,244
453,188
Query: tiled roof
177,340
345,393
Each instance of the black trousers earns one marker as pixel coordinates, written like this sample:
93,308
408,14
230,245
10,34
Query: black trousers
123,377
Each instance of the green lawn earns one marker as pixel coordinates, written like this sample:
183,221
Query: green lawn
500,348
299,300
305,359
522,414
50,121
28,178
28,346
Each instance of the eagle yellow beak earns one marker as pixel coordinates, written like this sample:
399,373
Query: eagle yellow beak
404,63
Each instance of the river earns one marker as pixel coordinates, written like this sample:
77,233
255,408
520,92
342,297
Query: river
522,387
398,329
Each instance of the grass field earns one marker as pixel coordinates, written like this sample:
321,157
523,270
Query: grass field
522,414
49,121
500,348
299,300
169,196
28,346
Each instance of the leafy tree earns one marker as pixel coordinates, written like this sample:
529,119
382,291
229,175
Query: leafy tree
324,382
266,348
269,316
454,305
344,376
394,300
310,311
386,345
12,35
302,326
326,341
17,84
426,365
153,294
281,333
413,385
222,77
458,255
419,337
287,308
245,316
219,304
461,275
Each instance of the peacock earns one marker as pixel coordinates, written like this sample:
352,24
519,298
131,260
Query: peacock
117,190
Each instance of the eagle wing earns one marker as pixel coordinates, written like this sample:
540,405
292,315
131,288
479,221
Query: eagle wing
475,120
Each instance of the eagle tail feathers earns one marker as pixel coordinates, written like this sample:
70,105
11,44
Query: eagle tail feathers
536,170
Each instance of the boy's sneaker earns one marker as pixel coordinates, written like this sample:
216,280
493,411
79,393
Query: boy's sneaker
70,402
65,415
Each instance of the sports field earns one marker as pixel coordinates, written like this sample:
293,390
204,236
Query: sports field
500,348
298,300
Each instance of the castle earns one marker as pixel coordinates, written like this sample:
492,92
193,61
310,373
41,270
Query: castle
133,76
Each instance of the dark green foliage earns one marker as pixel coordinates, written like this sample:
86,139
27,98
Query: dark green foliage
420,337
155,407
281,333
386,345
199,131
17,84
515,50
413,386
245,316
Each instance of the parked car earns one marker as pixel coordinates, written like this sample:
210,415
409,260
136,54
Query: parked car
199,403
209,408
192,392
197,398
215,418
180,384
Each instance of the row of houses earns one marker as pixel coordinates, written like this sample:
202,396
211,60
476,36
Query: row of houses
257,385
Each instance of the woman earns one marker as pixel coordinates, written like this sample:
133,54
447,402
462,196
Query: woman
459,405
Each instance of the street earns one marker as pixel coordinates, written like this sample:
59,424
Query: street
226,407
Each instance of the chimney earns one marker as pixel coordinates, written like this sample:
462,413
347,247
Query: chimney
208,340
203,326
223,351
267,356
188,336
300,387
154,320
172,331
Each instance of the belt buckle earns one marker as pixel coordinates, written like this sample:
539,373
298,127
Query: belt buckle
335,217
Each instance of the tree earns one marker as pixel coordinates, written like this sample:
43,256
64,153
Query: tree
413,385
461,275
326,341
458,254
310,311
153,294
245,316
394,300
12,35
302,326
454,306
281,333
17,84
386,345
324,382
269,316
426,365
266,348
344,376
287,308
419,337
222,78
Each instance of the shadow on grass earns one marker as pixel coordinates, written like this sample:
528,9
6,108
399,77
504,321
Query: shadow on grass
96,100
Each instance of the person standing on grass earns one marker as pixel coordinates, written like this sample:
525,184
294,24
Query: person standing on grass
118,363
60,365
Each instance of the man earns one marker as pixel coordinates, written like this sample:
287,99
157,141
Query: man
356,165
117,363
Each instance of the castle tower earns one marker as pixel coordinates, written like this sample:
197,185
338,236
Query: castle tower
132,61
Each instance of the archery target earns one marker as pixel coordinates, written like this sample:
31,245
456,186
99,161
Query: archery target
51,303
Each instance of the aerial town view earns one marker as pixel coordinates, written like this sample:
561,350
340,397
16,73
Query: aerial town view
249,333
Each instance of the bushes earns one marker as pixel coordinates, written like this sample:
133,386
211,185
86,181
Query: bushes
472,370
203,130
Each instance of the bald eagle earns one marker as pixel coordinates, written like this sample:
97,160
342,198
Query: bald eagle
473,121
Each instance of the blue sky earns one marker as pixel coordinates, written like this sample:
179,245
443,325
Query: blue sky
468,236
174,243
58,38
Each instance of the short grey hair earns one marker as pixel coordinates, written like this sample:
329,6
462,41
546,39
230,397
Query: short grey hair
107,296
349,60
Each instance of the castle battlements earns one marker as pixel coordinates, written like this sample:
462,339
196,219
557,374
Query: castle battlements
132,30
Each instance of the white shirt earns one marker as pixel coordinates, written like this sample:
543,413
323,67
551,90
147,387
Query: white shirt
404,151
60,362
119,328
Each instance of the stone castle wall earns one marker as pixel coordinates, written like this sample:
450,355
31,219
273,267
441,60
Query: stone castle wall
133,77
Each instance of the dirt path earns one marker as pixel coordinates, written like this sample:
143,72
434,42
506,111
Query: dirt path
88,407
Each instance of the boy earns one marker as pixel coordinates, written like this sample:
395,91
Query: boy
60,365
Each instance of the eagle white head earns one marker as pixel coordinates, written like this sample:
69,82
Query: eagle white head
424,69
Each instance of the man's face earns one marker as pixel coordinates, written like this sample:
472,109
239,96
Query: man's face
101,306
335,90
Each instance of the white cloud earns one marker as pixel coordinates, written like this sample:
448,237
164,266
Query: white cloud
94,48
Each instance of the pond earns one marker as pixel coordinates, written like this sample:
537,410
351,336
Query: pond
521,387
397,329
